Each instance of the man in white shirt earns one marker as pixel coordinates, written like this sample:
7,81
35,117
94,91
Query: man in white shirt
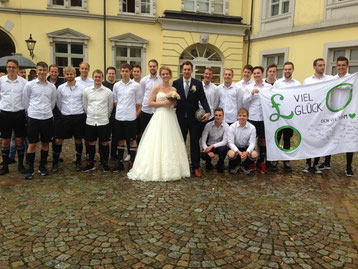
319,67
211,92
98,104
83,79
246,79
12,115
214,140
73,118
253,102
338,97
271,74
128,100
230,97
242,142
39,98
146,85
286,82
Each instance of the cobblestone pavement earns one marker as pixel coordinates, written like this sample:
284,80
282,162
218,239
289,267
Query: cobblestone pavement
96,220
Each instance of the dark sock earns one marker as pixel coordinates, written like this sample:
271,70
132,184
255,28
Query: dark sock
5,157
20,155
327,160
132,152
79,149
31,159
128,147
308,161
44,155
105,153
120,152
56,153
262,154
138,140
91,151
316,160
100,151
349,157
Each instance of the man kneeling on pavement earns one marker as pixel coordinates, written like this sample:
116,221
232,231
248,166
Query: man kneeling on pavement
242,141
214,140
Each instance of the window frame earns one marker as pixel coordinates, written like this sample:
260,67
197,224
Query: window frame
211,7
338,10
67,5
275,52
68,55
138,7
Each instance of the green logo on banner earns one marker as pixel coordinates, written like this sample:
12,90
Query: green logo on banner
345,87
278,142
275,116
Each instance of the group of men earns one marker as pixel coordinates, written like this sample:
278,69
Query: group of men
48,108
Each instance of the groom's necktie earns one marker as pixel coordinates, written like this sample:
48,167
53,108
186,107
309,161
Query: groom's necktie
186,88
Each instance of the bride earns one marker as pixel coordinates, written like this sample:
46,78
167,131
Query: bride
161,153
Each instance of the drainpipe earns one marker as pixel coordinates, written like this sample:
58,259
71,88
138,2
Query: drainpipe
249,34
104,37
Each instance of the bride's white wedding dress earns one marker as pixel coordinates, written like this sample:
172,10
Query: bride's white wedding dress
161,154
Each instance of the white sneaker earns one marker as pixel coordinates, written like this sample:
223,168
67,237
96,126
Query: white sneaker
128,158
307,169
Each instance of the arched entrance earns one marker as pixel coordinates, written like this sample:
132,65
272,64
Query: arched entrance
7,46
202,56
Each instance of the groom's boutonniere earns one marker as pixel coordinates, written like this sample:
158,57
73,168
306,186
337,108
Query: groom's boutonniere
193,89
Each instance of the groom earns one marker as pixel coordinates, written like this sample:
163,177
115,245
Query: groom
191,92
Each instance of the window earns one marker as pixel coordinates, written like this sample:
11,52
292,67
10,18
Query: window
340,9
128,48
279,7
77,4
202,56
350,53
138,6
68,47
204,6
275,59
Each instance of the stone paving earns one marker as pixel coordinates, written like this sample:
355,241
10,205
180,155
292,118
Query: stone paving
96,220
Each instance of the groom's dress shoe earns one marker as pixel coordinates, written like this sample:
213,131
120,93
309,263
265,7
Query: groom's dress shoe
197,173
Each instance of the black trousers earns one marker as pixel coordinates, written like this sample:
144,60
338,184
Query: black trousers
220,151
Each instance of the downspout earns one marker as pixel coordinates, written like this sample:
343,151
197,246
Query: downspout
104,36
249,34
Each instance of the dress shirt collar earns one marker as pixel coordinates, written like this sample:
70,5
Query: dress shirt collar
128,83
208,86
243,127
262,84
15,80
38,81
231,86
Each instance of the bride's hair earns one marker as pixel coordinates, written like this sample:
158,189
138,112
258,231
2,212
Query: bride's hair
165,68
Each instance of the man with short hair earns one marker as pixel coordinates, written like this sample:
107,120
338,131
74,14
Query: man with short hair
337,98
137,73
109,83
318,76
22,72
253,102
12,115
98,105
271,74
214,140
230,97
127,100
84,79
191,93
211,92
242,142
39,100
286,81
32,74
73,120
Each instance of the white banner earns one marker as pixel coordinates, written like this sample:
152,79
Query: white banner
324,117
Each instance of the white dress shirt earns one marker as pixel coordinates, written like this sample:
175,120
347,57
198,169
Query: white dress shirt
147,84
242,85
253,102
213,135
98,104
39,99
212,95
230,100
70,99
313,79
283,83
242,137
127,96
85,83
11,94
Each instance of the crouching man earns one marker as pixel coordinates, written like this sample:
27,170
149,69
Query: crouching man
242,141
214,140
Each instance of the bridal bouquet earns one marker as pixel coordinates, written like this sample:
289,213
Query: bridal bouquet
173,96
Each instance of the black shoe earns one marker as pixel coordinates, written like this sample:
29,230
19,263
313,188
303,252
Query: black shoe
105,168
209,166
273,166
29,173
4,171
21,168
349,172
60,160
88,168
287,166
43,170
78,166
54,167
119,167
11,161
324,166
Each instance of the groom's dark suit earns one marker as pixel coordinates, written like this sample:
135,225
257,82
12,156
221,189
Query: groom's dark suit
186,108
